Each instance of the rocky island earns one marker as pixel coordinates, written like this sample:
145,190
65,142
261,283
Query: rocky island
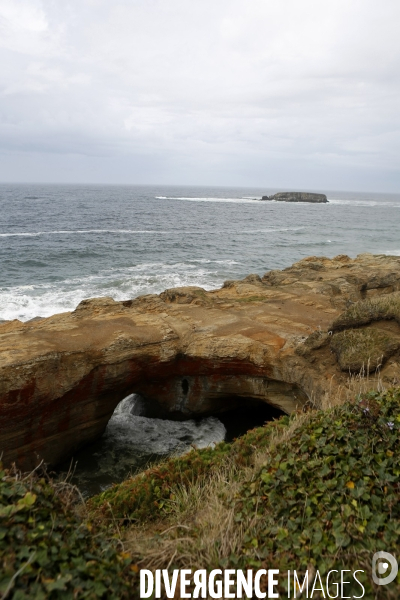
284,339
297,197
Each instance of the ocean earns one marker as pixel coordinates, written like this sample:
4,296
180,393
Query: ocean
60,244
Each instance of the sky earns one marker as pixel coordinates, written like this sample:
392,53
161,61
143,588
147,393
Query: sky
276,93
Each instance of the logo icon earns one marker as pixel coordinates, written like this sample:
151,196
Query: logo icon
381,561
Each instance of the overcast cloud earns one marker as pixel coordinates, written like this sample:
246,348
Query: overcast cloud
280,93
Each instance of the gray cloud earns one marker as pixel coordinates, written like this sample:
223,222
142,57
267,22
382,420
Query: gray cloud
253,92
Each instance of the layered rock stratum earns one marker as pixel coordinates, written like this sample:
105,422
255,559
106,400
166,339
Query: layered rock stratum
297,197
288,339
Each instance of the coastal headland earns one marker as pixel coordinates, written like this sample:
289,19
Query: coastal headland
288,338
297,197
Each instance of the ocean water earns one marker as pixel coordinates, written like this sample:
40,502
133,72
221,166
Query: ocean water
60,244
132,441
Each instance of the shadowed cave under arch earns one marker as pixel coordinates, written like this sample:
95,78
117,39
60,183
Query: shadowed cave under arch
123,450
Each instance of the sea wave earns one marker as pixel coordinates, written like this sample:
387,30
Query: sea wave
244,200
25,302
253,200
160,436
365,203
130,440
145,231
78,231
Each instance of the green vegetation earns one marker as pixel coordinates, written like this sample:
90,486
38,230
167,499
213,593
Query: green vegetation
251,299
386,307
48,551
363,349
146,496
322,492
329,496
315,491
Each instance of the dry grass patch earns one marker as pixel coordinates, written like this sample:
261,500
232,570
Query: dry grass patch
202,527
363,349
385,307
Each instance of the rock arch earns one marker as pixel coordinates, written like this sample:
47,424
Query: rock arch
186,351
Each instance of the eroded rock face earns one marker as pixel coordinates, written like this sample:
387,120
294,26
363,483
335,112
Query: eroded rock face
297,197
187,351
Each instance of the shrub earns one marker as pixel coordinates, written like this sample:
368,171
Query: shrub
328,498
47,551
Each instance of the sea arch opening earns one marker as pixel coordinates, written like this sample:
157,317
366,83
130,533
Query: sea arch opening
164,416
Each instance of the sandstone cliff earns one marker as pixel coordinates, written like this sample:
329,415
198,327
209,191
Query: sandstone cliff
287,338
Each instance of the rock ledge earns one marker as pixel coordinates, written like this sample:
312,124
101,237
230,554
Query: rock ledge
190,352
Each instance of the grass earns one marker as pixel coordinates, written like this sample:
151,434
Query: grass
251,299
320,493
363,349
199,527
316,490
363,312
147,496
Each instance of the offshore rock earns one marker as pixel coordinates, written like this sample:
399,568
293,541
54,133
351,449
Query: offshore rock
297,197
187,351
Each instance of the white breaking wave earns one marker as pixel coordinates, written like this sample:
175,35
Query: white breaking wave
252,200
160,436
373,203
205,261
245,200
277,229
80,231
130,440
142,231
25,302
